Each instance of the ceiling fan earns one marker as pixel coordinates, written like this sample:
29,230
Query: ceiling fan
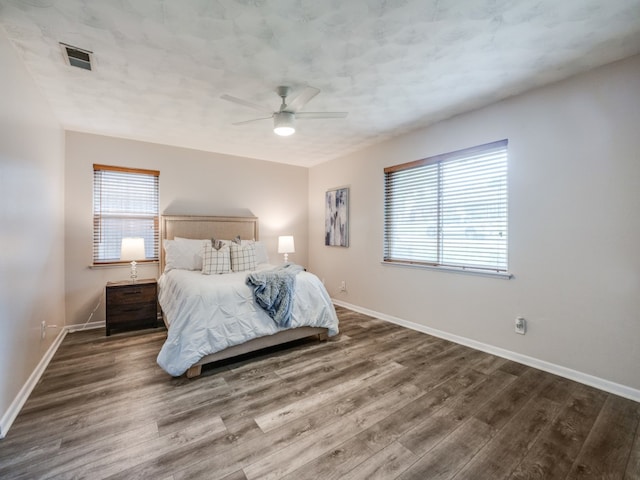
284,119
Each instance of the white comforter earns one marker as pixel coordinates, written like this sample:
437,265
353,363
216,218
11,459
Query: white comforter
208,313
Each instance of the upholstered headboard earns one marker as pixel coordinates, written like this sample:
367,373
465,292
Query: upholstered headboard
194,226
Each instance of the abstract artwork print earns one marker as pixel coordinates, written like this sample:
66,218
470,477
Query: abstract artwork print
336,231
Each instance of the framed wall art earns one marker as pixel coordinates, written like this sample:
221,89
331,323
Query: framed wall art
336,223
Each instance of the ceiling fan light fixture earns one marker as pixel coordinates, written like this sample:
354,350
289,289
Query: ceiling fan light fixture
284,124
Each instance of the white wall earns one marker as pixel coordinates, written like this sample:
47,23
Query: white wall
574,203
191,182
31,227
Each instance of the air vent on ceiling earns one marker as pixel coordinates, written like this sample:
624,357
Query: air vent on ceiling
77,57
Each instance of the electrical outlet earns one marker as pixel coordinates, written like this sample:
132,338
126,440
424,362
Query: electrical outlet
521,325
43,329
343,286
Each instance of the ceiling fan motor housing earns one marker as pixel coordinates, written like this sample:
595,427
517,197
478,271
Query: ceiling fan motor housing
283,91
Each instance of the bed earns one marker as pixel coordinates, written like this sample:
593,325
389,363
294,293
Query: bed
215,317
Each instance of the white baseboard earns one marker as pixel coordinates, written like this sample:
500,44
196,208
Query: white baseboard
10,415
85,326
18,402
600,383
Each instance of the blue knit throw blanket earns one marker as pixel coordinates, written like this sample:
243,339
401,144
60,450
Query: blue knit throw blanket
273,291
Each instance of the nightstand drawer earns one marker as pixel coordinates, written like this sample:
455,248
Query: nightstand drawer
132,294
130,316
135,311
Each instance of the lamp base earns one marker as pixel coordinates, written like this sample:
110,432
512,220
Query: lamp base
134,272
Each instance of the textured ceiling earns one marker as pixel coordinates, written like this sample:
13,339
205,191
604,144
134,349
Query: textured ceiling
394,65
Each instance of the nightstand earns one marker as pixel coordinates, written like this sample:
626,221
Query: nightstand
132,305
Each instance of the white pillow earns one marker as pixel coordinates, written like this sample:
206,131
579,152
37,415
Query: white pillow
216,261
195,248
183,255
243,258
261,253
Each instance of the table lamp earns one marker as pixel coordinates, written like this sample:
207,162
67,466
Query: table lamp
132,249
286,246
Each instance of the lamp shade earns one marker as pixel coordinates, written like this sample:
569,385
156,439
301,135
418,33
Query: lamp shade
132,249
286,245
284,124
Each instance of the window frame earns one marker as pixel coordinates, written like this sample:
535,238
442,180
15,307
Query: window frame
428,173
99,215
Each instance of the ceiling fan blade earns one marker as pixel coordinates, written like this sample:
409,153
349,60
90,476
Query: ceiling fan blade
246,103
312,115
302,99
252,120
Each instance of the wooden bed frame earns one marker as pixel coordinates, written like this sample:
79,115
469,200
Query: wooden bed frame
206,227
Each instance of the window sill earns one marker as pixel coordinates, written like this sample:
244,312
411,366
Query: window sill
467,271
99,266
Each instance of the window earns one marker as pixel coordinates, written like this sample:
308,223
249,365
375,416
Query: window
125,204
449,210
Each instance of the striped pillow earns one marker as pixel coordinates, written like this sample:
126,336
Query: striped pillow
216,261
243,257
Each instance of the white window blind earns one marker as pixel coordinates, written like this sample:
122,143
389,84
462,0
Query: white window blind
125,204
449,210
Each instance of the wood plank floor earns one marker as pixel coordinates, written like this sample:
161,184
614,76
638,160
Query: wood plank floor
378,402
